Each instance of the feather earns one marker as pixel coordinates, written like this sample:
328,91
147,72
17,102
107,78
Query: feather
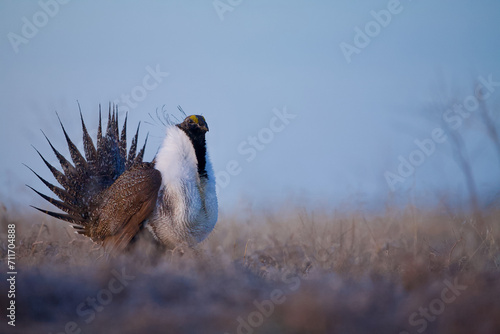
60,177
65,164
123,141
76,156
59,204
66,217
133,148
88,144
140,155
61,193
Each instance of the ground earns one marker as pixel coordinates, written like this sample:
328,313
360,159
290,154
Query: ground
285,270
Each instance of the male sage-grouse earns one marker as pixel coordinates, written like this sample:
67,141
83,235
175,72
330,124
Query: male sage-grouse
110,195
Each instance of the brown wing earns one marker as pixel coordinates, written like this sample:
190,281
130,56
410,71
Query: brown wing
126,204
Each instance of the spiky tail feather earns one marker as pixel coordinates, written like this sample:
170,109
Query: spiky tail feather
83,182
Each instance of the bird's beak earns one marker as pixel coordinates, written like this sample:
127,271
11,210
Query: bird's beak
204,127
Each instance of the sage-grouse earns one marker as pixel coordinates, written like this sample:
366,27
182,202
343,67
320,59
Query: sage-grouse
110,194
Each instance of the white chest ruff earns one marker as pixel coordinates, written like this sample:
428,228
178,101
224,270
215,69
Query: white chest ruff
186,209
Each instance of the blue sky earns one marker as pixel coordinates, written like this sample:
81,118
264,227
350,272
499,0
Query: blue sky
242,64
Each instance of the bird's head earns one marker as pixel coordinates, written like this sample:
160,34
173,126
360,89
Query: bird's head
194,125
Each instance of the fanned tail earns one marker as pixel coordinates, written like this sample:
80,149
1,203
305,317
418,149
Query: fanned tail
84,179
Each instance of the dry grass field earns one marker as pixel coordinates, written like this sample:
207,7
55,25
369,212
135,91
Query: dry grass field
288,270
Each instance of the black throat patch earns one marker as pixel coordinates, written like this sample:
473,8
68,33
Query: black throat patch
200,149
